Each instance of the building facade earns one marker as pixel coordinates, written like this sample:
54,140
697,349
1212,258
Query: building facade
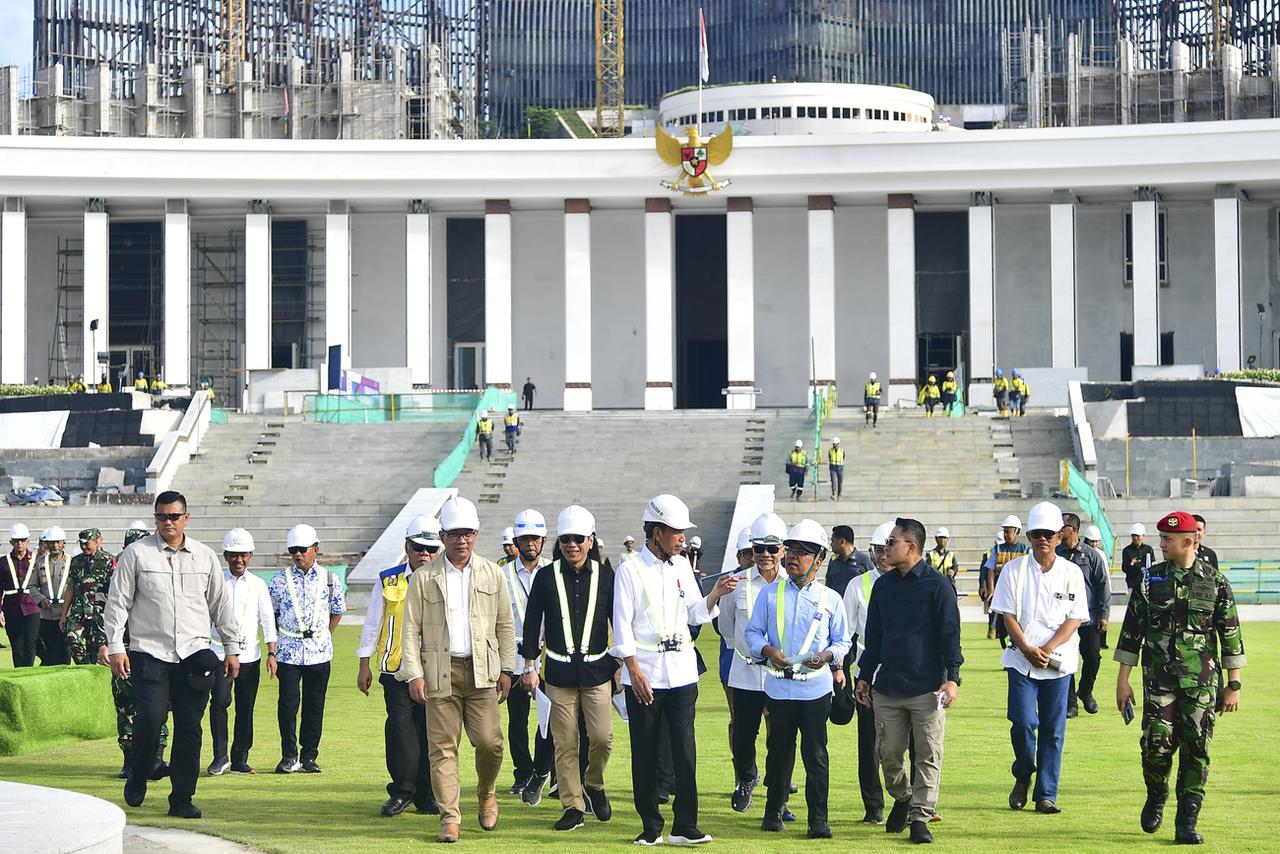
483,262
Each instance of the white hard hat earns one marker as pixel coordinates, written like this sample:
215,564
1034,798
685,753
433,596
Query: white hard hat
835,440
942,532
872,375
599,541
302,535
423,530
695,543
575,519
768,528
808,531
1045,516
237,541
744,539
1091,532
799,443
508,536
1138,530
628,539
881,534
459,514
53,534
1014,522
668,510
530,523
139,525
19,531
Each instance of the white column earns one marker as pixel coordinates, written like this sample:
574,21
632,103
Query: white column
97,300
1062,280
337,280
741,274
659,304
982,299
1226,276
902,298
257,287
577,305
176,363
1146,279
417,292
822,290
13,291
497,293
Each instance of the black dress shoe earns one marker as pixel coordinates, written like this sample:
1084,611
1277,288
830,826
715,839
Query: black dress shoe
772,822
1090,705
820,831
159,769
1153,811
395,806
571,820
187,810
134,795
310,766
920,834
897,820
1073,712
873,817
289,765
123,774
1018,797
664,797
1047,807
597,803
427,807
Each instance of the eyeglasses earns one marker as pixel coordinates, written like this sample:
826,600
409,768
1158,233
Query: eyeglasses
169,517
419,547
576,539
297,550
461,534
762,550
1041,535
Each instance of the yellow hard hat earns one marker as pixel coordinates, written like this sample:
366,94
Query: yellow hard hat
951,375
932,378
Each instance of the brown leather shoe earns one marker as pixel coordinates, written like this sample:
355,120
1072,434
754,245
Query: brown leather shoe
448,832
488,813
1018,797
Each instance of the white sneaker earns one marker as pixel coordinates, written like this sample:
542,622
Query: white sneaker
698,838
644,839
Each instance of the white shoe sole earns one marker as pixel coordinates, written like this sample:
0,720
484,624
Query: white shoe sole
657,841
217,772
684,840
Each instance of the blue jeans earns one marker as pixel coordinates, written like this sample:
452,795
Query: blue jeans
1038,704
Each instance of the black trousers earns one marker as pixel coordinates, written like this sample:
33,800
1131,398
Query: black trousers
53,645
405,735
157,687
1090,661
23,633
868,761
808,720
245,689
543,759
672,710
305,684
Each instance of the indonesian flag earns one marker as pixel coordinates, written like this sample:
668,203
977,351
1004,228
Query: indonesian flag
704,64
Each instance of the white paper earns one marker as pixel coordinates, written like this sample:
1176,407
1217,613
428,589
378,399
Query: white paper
543,703
620,703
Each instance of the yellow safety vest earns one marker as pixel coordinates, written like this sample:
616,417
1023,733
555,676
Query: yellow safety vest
387,652
158,385
511,420
872,389
799,458
940,562
104,388
931,391
484,427
1000,384
949,387
140,384
836,456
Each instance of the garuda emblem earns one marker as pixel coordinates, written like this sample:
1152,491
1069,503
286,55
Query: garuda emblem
694,156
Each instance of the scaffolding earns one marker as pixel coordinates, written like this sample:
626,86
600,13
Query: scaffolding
1205,27
217,285
66,345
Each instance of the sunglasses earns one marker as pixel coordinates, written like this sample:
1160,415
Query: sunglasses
1041,535
169,517
419,547
297,550
576,539
891,542
761,550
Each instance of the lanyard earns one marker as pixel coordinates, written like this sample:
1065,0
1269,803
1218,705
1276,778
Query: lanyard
588,616
780,616
517,587
48,579
293,599
866,587
13,573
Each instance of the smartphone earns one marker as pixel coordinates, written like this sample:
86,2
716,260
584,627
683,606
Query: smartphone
1127,714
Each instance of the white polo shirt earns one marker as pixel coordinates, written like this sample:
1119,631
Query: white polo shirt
1041,602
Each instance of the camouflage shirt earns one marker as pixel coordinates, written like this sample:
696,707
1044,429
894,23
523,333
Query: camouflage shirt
87,585
1176,621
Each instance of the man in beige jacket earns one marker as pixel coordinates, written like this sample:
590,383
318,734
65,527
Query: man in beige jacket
458,655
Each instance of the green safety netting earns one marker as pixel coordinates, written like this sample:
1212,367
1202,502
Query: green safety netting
451,466
382,408
1091,504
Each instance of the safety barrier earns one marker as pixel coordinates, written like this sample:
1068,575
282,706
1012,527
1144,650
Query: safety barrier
1091,503
451,466
385,408
177,447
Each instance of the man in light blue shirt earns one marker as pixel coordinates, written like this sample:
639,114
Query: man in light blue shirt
800,630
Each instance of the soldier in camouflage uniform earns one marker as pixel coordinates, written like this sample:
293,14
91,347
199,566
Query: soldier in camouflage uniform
88,582
1176,620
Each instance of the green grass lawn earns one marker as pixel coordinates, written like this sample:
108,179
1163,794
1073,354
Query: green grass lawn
1101,789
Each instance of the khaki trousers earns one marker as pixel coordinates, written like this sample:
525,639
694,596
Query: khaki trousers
477,710
897,720
596,704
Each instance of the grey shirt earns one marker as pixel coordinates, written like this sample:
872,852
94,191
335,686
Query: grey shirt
50,587
169,597
1097,580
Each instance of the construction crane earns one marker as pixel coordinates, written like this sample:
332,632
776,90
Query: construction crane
233,38
609,69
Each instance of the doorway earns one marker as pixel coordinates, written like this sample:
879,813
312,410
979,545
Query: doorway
942,294
702,294
1126,353
468,364
464,301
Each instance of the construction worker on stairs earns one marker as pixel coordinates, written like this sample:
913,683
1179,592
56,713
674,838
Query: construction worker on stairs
484,435
140,384
929,395
797,461
835,465
1019,394
871,399
1000,388
511,425
949,393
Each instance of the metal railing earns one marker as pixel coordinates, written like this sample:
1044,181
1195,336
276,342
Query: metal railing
176,449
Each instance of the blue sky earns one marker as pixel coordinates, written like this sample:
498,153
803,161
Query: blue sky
15,34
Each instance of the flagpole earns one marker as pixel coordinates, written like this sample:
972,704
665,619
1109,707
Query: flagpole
701,31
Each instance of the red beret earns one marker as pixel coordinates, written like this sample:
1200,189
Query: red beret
1177,522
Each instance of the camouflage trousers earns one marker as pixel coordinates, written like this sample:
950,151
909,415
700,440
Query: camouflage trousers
1177,721
83,640
126,711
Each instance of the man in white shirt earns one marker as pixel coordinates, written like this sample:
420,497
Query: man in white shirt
1043,600
251,610
656,598
628,550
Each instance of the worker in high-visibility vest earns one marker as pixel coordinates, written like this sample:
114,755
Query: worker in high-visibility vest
871,399
799,632
158,385
942,558
929,395
797,462
1019,394
949,393
104,385
511,426
76,386
484,435
1000,388
140,384
835,466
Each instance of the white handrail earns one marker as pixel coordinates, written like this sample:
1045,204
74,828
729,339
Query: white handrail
1082,433
178,445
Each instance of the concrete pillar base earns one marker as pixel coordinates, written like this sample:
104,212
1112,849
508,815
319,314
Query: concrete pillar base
577,399
659,398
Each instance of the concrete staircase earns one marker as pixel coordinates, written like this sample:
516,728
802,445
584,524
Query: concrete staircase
612,462
1239,528
1040,442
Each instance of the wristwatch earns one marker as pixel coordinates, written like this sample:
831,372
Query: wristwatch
1233,685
